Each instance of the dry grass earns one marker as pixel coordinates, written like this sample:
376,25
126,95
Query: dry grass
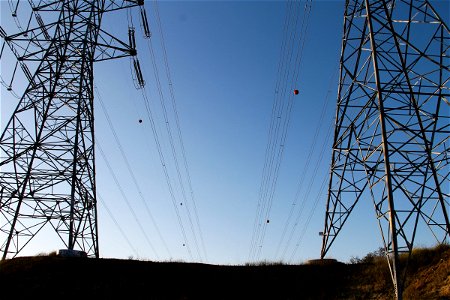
427,275
430,274
266,263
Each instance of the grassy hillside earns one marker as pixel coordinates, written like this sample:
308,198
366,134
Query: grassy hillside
53,277
428,275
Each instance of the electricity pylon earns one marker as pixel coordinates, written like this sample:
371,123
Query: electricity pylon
392,127
47,161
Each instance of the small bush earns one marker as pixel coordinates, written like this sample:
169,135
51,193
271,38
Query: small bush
370,258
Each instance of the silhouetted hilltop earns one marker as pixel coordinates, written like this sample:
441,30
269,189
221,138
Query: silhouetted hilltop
53,277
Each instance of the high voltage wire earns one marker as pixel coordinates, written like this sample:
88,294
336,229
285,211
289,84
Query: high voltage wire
273,118
177,122
308,191
308,161
125,198
279,126
171,141
149,114
179,134
308,220
265,186
277,110
102,202
166,173
130,170
172,145
155,135
303,33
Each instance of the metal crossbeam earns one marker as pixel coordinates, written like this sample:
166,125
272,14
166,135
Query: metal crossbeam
392,126
47,158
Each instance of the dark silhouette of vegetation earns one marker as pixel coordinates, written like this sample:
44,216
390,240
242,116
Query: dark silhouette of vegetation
54,277
370,257
427,274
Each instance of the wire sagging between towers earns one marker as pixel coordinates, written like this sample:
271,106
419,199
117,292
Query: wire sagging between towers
294,38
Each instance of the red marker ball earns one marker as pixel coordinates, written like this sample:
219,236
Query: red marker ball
295,92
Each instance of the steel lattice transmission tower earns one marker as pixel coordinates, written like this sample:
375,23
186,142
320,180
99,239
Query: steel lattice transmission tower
392,127
47,163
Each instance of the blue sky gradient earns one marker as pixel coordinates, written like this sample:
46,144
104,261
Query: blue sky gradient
223,58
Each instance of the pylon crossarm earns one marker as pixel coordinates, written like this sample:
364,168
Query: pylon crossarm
48,143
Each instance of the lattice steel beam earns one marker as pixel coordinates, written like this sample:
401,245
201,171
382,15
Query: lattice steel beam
47,158
392,126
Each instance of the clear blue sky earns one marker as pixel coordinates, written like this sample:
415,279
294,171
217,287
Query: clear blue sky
223,58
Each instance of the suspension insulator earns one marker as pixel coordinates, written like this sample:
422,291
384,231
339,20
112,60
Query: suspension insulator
137,70
27,72
132,41
144,23
42,26
9,88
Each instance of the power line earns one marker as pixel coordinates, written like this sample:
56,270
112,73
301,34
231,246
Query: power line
277,113
163,163
305,169
177,122
130,170
308,220
280,120
157,139
127,202
171,141
274,113
309,188
117,224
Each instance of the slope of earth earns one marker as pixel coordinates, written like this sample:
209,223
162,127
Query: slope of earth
53,277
